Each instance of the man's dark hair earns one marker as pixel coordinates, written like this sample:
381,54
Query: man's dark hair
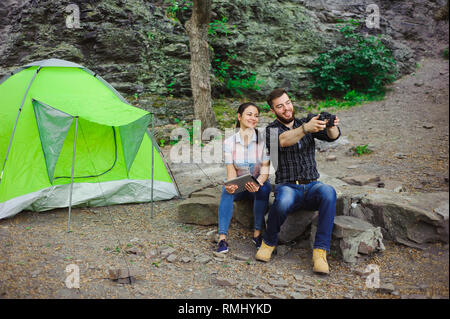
276,93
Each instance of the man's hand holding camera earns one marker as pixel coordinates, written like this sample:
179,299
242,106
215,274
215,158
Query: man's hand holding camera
314,124
320,122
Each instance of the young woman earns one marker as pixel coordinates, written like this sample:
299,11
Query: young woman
245,153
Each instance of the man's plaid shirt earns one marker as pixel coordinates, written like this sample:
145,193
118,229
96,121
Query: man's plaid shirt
295,162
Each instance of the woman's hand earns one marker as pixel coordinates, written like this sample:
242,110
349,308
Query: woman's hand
252,187
231,188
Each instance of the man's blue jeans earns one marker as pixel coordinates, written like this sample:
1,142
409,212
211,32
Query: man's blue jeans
260,203
313,196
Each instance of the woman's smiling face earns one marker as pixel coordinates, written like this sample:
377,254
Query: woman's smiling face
249,117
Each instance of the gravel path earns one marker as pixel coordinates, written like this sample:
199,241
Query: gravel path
172,260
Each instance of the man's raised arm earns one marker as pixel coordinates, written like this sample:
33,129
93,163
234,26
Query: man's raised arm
291,137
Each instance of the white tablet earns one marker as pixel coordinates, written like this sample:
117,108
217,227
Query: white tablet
241,181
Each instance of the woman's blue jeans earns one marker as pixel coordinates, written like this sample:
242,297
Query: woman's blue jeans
313,196
260,203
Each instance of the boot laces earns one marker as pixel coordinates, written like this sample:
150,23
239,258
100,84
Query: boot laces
322,254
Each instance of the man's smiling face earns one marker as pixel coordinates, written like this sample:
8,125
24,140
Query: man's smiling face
283,109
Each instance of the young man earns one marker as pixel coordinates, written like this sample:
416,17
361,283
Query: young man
296,176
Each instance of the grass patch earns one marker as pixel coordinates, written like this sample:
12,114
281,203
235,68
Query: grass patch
362,149
350,99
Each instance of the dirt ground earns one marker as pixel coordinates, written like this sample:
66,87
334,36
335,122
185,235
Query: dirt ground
408,133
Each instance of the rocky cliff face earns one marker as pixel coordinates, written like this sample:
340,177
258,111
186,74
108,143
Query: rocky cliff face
138,47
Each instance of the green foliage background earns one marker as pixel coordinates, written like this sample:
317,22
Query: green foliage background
361,64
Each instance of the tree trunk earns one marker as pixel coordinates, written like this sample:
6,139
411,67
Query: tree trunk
197,28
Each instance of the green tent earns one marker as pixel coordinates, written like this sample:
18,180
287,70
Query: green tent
67,138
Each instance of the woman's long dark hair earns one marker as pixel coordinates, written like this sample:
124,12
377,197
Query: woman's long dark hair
241,110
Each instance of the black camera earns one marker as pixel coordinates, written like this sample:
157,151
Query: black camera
324,116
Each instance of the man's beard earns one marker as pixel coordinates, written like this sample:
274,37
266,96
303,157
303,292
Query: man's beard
286,121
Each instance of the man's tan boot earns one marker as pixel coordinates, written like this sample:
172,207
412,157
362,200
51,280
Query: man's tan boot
320,261
264,252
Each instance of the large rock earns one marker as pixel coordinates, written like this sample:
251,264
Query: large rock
406,218
295,225
403,217
199,210
352,237
203,206
212,192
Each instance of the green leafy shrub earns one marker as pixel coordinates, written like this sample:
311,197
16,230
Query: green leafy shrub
243,81
220,69
176,7
362,149
264,107
362,64
220,26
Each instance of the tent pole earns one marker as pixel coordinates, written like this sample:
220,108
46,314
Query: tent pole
153,157
73,168
15,123
166,164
